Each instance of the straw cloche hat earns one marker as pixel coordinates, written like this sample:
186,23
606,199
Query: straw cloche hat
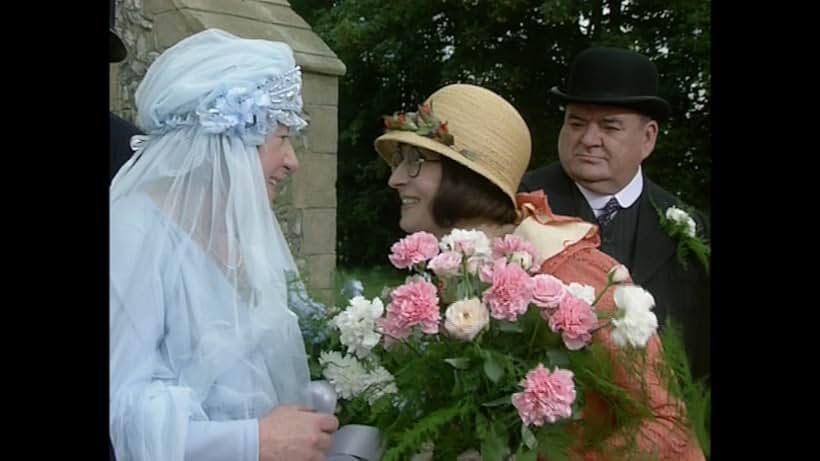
472,126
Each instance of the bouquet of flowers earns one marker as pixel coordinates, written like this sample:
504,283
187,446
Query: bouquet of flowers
478,352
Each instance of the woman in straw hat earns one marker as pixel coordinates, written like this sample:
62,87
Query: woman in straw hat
457,163
207,360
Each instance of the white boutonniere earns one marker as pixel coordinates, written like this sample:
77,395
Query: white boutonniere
680,226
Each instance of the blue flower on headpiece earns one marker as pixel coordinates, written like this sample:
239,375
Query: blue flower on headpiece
249,113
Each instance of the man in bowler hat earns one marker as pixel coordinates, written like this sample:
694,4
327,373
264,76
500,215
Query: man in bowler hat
120,131
611,118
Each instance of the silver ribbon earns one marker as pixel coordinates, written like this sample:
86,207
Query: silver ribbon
352,442
355,442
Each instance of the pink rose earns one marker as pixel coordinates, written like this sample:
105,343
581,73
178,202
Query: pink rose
446,264
548,292
510,293
574,319
415,303
413,249
547,397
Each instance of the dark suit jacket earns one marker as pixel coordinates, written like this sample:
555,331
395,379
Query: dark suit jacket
683,295
120,132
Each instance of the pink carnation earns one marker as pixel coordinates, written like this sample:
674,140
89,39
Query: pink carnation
547,397
511,291
413,249
392,331
574,319
548,292
414,303
511,244
446,264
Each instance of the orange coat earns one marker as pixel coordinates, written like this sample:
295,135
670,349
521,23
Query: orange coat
665,437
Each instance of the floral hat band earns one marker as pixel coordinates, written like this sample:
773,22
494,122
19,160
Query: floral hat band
423,123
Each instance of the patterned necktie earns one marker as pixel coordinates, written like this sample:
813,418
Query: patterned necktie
608,212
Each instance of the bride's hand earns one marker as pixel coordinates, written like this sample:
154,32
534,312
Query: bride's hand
295,433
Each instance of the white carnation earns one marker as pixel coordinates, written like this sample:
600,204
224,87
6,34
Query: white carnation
583,292
522,258
379,383
634,329
346,374
357,325
633,298
679,216
467,242
636,322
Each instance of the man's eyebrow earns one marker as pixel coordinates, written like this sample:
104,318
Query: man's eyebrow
613,119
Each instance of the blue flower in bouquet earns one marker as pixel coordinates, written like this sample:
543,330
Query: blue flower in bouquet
312,314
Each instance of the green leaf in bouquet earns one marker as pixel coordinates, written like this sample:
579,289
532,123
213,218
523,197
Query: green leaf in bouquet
528,455
428,427
498,402
492,445
492,369
528,437
576,410
509,327
315,369
558,358
554,442
460,363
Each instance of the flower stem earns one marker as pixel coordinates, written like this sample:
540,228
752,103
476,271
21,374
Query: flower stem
601,294
534,334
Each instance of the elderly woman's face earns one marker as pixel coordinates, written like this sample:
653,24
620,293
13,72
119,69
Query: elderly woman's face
416,177
278,159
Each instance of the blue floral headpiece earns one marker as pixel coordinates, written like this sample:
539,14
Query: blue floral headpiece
249,113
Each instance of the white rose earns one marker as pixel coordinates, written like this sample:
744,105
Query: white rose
583,292
465,318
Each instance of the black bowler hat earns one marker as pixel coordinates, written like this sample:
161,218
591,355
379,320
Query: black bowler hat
615,77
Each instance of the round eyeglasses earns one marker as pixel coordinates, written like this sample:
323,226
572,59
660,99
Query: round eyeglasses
412,159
